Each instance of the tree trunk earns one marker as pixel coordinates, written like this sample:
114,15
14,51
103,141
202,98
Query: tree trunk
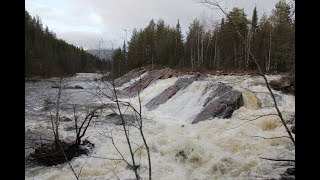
198,48
191,52
241,59
248,56
235,54
55,124
152,61
215,52
269,62
206,56
201,50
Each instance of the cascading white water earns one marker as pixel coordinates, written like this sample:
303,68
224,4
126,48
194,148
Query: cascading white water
183,106
214,149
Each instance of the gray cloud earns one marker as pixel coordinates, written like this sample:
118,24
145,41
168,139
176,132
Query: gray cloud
83,22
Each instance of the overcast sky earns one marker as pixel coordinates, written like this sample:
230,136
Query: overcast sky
84,22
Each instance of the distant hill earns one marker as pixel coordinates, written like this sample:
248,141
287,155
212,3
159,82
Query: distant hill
47,56
103,54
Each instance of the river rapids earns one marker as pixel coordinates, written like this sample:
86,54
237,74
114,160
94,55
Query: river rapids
213,149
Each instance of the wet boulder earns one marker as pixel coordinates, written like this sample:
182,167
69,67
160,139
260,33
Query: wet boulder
112,114
78,87
222,101
133,74
291,171
293,129
285,85
289,174
291,121
65,119
152,77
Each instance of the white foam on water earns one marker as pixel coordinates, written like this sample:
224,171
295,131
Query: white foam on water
184,105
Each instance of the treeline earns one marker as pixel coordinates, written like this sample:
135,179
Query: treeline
271,39
45,55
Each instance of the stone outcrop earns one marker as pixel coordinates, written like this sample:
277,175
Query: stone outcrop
151,77
180,84
133,74
222,101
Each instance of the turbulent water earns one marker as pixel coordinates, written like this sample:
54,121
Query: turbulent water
213,149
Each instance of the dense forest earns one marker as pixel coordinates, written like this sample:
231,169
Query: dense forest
215,46
209,46
45,55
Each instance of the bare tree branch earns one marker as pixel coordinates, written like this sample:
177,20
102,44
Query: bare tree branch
289,160
81,168
256,118
272,137
68,161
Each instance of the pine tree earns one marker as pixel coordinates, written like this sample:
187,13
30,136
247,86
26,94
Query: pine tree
283,36
46,55
254,20
179,45
262,43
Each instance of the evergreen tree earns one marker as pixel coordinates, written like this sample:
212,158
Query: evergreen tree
270,39
46,55
262,43
283,36
254,20
179,45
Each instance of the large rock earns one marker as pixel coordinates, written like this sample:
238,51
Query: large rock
151,77
222,101
125,78
291,171
65,119
289,174
293,129
169,92
78,87
133,74
285,85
